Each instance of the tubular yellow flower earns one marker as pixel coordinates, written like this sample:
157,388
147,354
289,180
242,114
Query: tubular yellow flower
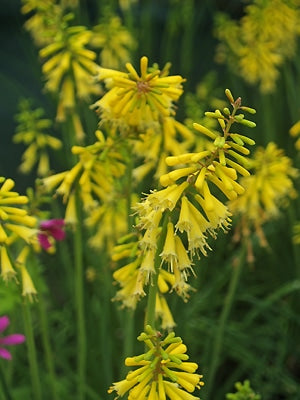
12,217
165,280
71,212
147,265
149,240
52,181
167,198
163,311
171,138
125,273
7,270
162,370
184,264
169,252
27,234
219,216
28,289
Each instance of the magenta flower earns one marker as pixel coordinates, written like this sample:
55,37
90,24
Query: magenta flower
51,228
9,340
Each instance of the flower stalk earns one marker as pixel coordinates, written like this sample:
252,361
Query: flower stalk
79,300
32,353
5,388
227,306
153,287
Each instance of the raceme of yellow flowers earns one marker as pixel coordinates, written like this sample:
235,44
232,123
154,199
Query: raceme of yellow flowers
114,40
267,189
254,53
31,131
177,219
135,100
69,65
142,107
162,372
18,230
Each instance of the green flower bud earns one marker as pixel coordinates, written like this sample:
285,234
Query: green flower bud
229,95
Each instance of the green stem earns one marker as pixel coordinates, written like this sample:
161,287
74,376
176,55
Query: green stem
79,302
63,251
129,189
47,346
32,353
129,320
150,311
6,392
218,340
153,288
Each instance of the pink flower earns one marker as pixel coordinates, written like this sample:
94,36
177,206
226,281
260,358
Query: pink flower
16,338
51,228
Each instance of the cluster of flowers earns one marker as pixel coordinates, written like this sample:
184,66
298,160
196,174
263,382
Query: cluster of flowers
162,371
177,219
254,53
267,190
20,233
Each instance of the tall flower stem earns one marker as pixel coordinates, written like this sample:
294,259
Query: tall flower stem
32,353
128,192
47,346
218,339
79,302
153,287
6,392
150,311
129,320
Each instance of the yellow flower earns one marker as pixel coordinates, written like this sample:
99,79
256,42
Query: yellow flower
13,218
7,270
109,220
269,186
147,265
70,68
169,252
28,288
166,198
267,190
171,138
138,100
257,45
163,311
114,40
93,177
45,18
162,371
30,131
188,203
